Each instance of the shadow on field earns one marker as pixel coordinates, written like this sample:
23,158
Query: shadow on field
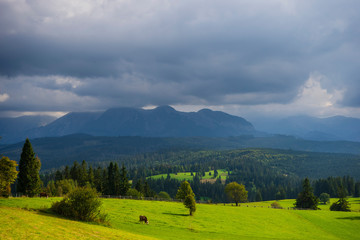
175,214
350,218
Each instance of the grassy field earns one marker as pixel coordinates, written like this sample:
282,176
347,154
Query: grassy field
289,203
187,175
170,220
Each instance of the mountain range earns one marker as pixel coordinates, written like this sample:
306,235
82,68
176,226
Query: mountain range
162,121
165,121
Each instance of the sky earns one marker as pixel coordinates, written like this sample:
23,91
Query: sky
248,58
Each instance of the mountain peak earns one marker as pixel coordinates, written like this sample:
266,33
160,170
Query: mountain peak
165,108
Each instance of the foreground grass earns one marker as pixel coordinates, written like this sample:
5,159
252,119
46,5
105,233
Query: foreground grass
170,220
23,224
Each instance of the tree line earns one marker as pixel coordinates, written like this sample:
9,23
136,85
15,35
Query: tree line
262,181
113,180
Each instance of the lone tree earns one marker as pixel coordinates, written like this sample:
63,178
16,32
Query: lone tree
184,190
186,194
29,166
236,192
8,175
306,198
342,204
190,203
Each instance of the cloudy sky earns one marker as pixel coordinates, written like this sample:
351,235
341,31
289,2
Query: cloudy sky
248,58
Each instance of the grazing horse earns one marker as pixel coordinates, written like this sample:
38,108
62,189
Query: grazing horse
144,219
43,194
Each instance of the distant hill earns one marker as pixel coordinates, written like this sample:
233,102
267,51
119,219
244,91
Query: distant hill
59,151
311,128
159,122
16,129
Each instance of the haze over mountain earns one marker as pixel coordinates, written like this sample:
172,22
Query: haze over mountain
312,128
15,129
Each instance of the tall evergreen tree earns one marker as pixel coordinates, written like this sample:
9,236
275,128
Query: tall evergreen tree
83,177
139,187
98,180
91,177
29,166
67,173
75,172
124,181
306,198
111,179
117,180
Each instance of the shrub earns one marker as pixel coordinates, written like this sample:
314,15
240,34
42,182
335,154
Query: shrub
276,205
134,193
81,204
164,195
341,205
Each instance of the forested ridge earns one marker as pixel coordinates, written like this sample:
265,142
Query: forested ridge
56,152
267,173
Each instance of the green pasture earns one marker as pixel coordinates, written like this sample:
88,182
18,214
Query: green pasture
170,220
289,203
187,175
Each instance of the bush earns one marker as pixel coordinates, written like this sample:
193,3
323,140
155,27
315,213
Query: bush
276,205
164,195
134,193
341,205
81,204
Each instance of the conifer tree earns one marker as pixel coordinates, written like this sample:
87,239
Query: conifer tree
124,181
306,198
117,180
91,176
342,204
139,187
111,179
29,166
75,172
83,174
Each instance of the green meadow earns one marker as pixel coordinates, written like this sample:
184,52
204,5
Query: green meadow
187,175
21,219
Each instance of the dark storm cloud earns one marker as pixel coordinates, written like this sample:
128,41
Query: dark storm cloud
101,54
